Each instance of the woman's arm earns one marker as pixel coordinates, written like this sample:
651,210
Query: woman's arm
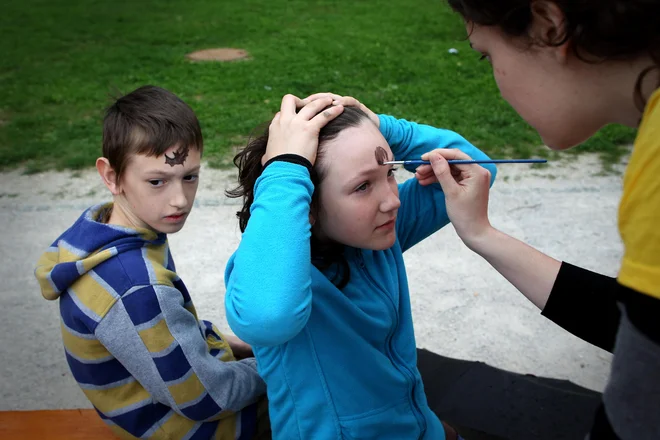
585,304
580,301
532,272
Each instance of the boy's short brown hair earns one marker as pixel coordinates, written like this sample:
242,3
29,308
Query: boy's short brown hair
148,121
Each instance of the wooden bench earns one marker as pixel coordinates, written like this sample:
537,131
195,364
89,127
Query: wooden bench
66,424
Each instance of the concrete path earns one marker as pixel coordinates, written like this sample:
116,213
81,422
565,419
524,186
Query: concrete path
462,307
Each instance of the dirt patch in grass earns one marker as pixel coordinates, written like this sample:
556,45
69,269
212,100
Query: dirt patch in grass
219,54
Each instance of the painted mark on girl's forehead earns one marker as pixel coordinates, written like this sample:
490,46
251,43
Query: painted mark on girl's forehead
381,155
178,157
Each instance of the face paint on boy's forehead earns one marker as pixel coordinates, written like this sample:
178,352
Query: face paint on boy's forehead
178,157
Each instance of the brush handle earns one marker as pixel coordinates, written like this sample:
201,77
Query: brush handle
464,162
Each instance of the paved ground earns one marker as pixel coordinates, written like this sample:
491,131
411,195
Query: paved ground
462,308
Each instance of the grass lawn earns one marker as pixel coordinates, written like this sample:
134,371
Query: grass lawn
62,60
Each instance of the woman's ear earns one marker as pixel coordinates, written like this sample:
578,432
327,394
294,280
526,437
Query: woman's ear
549,27
108,175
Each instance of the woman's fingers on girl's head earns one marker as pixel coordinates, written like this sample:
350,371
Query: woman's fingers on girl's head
313,108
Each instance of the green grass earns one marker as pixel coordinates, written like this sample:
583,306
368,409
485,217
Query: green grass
61,62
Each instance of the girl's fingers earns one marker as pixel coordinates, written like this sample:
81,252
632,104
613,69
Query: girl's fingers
350,101
316,96
326,116
309,111
347,101
275,122
288,106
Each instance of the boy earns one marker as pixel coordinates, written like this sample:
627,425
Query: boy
131,334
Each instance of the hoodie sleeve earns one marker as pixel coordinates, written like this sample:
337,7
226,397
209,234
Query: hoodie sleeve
423,209
163,346
268,279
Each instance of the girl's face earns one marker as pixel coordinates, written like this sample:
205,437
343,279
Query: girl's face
547,86
358,198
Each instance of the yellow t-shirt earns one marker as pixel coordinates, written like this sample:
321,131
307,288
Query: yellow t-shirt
639,211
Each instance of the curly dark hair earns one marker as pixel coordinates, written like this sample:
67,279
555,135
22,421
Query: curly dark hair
324,254
599,30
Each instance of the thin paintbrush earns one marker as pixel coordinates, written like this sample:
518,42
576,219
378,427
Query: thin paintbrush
462,162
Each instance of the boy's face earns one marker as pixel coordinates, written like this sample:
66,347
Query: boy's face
358,198
159,191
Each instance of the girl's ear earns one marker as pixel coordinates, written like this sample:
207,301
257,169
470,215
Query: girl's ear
312,218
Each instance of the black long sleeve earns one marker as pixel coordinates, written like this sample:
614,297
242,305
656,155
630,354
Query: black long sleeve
585,304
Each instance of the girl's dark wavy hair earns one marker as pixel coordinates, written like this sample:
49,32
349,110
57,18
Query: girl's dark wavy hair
248,161
599,30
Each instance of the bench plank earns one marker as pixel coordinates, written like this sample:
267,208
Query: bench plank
69,424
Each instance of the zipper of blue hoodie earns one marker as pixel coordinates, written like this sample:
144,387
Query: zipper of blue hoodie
396,360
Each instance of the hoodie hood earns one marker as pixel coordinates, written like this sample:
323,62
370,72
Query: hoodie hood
83,246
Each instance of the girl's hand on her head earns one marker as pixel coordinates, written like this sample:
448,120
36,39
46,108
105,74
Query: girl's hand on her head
297,132
466,189
346,101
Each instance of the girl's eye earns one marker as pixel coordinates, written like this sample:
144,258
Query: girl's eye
191,178
362,187
156,182
391,172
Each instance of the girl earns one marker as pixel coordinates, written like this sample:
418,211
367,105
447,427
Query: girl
318,285
569,68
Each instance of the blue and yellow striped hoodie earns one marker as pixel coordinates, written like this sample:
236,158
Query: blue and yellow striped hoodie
133,340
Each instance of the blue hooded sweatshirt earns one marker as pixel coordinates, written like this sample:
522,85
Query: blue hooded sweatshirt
337,363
